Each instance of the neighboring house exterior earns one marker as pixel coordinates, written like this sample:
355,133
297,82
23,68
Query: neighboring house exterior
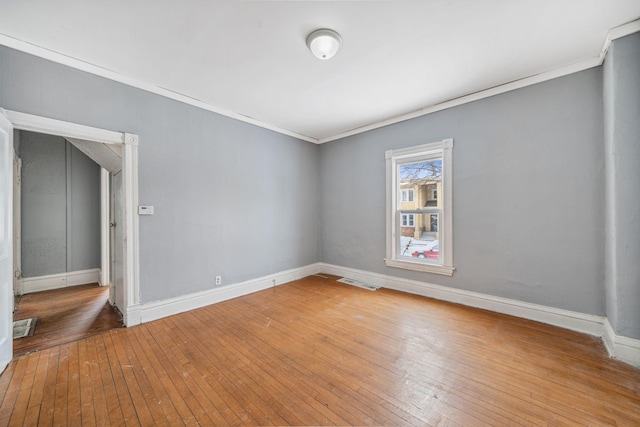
417,196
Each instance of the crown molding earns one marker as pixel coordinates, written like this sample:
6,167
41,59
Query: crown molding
476,96
612,34
616,33
77,64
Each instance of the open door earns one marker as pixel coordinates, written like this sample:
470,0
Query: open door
6,241
117,242
17,231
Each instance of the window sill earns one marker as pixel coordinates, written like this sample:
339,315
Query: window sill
445,270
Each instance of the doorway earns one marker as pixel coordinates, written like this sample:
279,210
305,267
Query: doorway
93,139
60,235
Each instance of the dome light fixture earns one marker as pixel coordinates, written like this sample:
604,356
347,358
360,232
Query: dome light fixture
324,43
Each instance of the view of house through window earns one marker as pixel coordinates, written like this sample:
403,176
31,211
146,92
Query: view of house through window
419,208
419,226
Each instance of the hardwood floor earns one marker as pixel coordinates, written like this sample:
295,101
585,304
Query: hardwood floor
65,315
317,352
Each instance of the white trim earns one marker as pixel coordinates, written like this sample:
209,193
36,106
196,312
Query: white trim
572,320
148,87
17,225
6,242
613,34
619,347
616,33
476,96
60,280
29,122
608,337
132,253
425,267
105,258
622,348
133,315
159,309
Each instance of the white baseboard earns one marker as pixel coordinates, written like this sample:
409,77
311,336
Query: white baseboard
159,309
587,323
132,316
61,280
622,348
619,347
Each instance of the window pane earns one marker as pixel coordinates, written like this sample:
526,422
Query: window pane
419,237
420,172
419,184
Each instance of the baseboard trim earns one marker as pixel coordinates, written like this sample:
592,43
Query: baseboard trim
61,280
159,309
132,315
587,323
620,347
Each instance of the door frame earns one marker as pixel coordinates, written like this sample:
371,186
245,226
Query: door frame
129,142
17,240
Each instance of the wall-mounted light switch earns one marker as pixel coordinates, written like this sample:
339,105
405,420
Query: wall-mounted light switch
145,210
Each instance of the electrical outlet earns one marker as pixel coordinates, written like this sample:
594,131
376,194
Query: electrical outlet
218,280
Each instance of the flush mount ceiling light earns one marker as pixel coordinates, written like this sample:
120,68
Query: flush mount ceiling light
324,43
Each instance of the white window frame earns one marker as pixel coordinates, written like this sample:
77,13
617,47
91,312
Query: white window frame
394,158
404,195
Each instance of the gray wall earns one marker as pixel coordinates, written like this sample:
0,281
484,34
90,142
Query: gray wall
239,201
83,211
60,207
44,204
230,199
622,157
528,219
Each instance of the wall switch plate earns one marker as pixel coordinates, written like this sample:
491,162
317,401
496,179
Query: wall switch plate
145,210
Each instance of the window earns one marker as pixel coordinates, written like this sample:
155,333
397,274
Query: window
419,236
408,220
407,195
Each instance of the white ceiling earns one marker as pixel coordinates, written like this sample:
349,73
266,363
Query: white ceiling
249,58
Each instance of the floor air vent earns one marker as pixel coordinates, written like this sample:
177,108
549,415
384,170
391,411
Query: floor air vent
24,328
358,283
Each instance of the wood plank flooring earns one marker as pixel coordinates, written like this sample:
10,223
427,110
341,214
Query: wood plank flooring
318,352
64,315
